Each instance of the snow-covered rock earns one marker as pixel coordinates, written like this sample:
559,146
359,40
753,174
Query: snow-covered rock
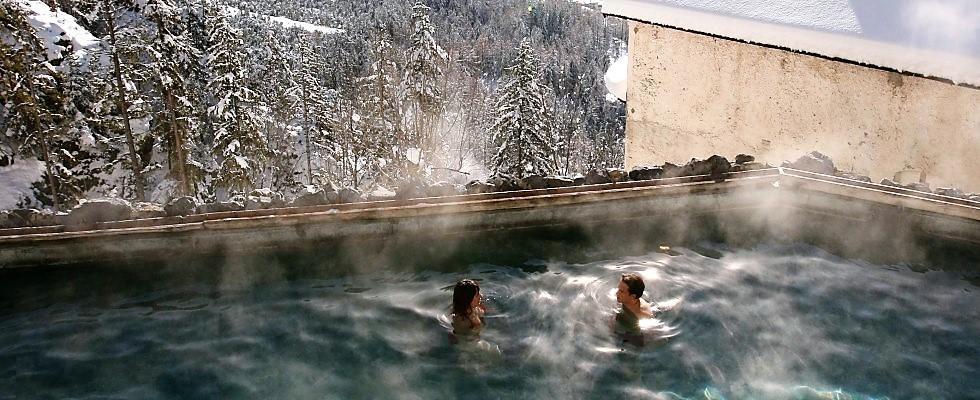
950,192
143,210
744,159
311,196
99,210
349,195
643,173
813,162
222,206
617,175
553,182
919,186
532,182
181,206
479,187
596,177
504,183
25,217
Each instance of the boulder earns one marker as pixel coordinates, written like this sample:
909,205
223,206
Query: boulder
479,187
919,186
504,183
889,182
951,192
744,159
310,196
222,206
617,175
578,179
552,182
20,218
646,173
442,189
276,199
349,195
696,167
258,203
143,210
671,170
100,210
813,162
597,177
181,206
717,166
411,189
532,182
854,177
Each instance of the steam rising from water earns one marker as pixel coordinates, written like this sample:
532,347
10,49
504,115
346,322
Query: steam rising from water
758,323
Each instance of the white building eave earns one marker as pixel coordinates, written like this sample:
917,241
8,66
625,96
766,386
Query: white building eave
900,41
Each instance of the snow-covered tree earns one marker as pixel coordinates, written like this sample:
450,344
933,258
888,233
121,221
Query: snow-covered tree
523,127
239,147
317,110
172,58
383,98
422,79
119,79
277,93
32,91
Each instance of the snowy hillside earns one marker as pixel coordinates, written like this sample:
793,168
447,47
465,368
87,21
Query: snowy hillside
55,26
289,23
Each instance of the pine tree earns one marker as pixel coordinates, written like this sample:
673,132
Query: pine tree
172,57
283,105
422,77
239,147
30,87
318,109
383,105
117,46
522,130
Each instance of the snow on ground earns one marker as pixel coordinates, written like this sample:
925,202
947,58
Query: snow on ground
51,25
938,38
290,23
16,181
616,77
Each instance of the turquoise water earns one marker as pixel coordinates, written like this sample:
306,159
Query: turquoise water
770,322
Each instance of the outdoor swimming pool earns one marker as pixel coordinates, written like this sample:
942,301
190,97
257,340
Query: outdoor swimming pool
766,321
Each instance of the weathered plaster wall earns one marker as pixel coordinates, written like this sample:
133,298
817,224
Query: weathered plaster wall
693,95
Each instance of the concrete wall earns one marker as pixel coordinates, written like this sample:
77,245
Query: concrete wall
693,95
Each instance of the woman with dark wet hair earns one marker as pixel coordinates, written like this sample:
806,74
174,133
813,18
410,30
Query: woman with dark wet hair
467,311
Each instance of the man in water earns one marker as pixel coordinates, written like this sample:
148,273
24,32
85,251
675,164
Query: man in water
634,308
630,290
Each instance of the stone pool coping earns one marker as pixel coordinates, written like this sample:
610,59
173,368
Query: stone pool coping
942,216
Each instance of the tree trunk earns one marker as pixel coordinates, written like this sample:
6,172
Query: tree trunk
306,130
43,139
178,143
123,105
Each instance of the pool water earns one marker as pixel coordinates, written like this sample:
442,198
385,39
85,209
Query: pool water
767,322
